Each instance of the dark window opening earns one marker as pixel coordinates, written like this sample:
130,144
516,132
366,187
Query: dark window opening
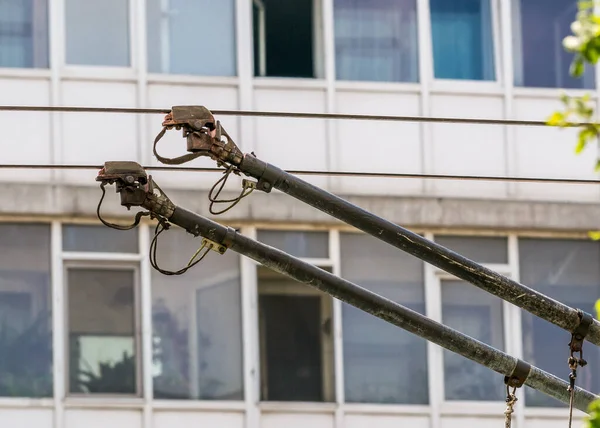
283,38
296,341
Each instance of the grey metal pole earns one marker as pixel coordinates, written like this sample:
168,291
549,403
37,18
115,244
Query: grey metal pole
557,313
372,303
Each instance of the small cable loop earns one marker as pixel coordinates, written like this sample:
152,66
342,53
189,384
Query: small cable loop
172,161
137,218
160,228
247,188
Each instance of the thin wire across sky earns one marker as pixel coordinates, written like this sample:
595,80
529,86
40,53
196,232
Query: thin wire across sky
298,115
294,115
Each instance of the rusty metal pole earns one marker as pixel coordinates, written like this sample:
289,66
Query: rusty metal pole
379,306
270,177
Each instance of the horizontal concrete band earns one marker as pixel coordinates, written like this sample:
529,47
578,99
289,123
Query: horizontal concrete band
67,201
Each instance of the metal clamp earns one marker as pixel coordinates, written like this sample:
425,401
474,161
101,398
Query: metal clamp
215,246
578,336
268,179
519,375
229,237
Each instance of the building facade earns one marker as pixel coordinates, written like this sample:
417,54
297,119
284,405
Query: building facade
91,335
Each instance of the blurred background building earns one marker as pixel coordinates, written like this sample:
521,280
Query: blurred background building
91,336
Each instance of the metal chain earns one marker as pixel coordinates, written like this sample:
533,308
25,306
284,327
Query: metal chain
511,399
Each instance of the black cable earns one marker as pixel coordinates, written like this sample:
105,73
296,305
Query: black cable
336,174
332,116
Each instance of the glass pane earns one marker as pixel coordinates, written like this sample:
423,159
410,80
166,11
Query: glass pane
197,323
25,311
382,362
274,40
569,271
97,32
477,248
77,237
24,33
174,35
296,340
539,27
101,320
477,314
376,40
463,46
296,243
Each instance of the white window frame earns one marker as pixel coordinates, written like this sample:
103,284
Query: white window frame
318,46
331,368
106,265
459,85
99,72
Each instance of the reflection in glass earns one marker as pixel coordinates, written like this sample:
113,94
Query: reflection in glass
197,325
382,363
102,344
462,38
82,237
173,32
97,32
24,33
482,249
297,243
477,314
376,40
539,27
566,270
25,311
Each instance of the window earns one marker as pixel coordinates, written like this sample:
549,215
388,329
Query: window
195,37
382,363
462,38
25,311
376,40
103,346
24,33
313,245
296,340
566,270
478,314
539,27
481,249
197,323
287,38
91,238
97,32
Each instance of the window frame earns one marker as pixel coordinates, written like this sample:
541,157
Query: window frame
516,61
137,336
319,62
35,71
495,86
103,72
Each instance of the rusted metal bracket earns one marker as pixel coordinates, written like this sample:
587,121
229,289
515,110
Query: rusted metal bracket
578,336
519,375
205,135
215,246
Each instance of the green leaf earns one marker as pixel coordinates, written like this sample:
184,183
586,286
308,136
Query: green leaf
597,168
594,236
556,119
577,67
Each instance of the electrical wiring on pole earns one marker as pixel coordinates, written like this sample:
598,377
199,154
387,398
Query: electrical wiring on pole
206,137
137,189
